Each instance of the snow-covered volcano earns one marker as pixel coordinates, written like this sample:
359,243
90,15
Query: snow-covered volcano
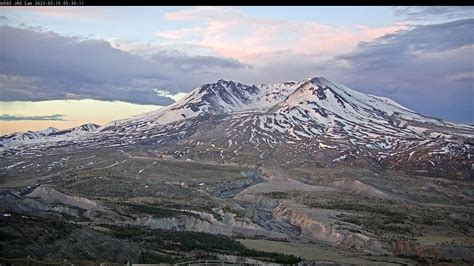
311,121
303,109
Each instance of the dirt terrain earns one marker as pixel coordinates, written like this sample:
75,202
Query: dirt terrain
146,208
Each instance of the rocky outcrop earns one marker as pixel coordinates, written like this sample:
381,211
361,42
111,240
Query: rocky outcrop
320,228
359,188
228,225
50,195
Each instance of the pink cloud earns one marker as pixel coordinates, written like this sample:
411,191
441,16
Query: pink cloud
334,40
233,34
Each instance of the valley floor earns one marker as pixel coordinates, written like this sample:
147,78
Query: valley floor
117,205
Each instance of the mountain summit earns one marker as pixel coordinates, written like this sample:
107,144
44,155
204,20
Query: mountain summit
303,109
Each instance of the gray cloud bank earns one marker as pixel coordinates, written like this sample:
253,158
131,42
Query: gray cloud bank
55,117
429,68
39,65
429,13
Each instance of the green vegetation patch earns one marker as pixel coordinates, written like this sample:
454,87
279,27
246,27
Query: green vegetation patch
186,241
157,212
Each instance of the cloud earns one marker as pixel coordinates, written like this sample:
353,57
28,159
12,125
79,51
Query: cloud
39,65
232,33
420,14
429,68
189,63
407,47
176,96
55,117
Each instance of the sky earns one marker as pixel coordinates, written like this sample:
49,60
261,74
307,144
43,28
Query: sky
66,66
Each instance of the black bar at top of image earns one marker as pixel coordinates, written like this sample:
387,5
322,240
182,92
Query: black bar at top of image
73,3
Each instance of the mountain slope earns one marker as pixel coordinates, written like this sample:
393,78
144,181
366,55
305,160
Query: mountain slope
312,122
297,111
48,134
317,99
18,136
